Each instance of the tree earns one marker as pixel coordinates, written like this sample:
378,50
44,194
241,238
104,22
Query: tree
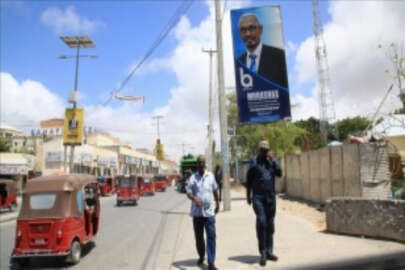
314,135
349,126
4,145
281,135
396,55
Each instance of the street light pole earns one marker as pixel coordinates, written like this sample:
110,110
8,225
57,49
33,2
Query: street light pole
222,108
76,42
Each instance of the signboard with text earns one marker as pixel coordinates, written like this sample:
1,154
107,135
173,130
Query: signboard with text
260,65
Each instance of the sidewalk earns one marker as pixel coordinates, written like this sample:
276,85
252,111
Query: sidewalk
298,243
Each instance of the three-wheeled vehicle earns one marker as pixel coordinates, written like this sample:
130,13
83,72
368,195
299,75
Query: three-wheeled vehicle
127,190
147,185
106,185
8,197
59,215
160,182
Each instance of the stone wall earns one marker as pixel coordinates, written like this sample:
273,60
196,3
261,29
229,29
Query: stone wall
368,217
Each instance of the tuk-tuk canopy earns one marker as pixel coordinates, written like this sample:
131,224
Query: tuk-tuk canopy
126,181
10,185
55,196
69,182
160,177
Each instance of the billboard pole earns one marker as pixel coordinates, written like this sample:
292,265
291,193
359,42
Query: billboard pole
222,108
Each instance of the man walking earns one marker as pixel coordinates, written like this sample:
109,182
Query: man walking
261,184
201,190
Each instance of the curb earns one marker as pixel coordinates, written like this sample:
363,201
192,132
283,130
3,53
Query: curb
9,217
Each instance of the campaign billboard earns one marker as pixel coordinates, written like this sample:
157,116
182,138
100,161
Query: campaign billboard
73,126
260,65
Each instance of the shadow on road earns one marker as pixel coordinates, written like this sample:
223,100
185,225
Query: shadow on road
182,265
239,199
390,261
247,259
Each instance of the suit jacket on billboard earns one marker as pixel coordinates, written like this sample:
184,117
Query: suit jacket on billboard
272,65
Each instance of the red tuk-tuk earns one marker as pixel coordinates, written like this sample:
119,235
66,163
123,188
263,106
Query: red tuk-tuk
107,185
147,185
8,197
127,190
59,215
160,182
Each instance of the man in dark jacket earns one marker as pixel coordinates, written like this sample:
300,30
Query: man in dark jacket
261,186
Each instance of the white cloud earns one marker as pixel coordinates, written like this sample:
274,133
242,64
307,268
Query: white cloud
356,64
68,21
24,104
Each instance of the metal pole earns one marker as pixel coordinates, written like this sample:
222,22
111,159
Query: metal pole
72,150
222,109
210,113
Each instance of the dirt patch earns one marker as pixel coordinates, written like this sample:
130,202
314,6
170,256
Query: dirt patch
304,210
294,207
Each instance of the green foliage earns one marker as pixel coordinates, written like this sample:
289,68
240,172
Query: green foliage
4,145
349,126
313,128
282,136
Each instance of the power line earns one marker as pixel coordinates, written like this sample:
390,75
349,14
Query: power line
181,10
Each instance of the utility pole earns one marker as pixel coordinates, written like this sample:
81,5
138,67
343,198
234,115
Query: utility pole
210,113
157,118
222,108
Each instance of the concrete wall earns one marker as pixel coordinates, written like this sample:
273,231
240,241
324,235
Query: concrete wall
350,171
368,217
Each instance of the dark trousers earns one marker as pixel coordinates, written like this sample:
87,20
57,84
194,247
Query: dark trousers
209,224
265,210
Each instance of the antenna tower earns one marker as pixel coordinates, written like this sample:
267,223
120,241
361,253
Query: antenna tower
327,113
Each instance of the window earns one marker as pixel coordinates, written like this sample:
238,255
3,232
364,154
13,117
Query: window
42,201
146,180
79,198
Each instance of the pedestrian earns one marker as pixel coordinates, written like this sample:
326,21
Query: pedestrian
202,189
218,178
260,189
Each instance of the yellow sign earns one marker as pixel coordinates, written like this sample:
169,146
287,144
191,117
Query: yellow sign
159,153
73,127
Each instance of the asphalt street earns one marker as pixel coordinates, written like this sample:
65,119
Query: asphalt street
131,237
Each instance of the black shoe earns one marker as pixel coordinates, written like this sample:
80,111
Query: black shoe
200,261
272,257
263,260
211,266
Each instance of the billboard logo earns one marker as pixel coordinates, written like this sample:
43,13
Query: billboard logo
246,80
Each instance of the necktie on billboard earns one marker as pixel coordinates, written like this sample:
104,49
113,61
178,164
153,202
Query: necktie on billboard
252,62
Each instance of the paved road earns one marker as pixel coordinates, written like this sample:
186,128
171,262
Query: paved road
130,237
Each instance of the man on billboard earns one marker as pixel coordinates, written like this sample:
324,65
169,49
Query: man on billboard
265,60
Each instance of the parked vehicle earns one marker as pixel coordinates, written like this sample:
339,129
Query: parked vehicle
147,185
127,190
188,164
107,185
8,196
160,182
59,215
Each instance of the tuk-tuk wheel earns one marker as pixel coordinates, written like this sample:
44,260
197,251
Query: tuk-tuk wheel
75,252
118,203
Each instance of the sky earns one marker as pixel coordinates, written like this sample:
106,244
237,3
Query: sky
174,81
